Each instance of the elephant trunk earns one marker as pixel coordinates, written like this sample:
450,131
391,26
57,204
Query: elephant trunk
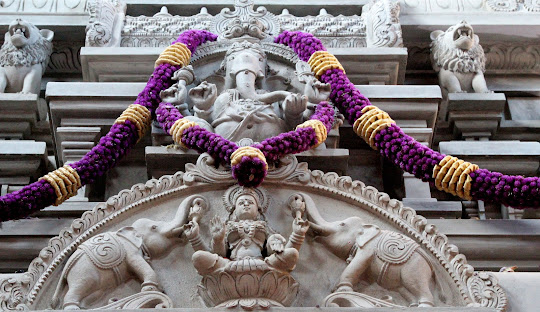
245,84
191,207
317,224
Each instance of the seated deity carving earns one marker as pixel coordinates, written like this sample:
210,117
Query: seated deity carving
244,109
246,245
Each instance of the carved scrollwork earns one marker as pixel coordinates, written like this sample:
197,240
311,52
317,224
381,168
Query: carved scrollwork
532,5
105,16
13,290
486,291
382,24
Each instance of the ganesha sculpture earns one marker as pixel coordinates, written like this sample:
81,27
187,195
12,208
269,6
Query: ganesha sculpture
244,109
235,270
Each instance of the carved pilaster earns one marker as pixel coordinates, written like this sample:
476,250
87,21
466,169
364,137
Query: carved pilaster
105,25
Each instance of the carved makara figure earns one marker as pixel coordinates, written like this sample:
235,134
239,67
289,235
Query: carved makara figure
390,259
459,59
245,245
244,109
24,57
111,258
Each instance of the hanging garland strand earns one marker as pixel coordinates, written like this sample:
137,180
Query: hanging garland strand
449,174
63,183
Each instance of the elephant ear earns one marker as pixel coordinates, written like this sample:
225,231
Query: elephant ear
130,234
370,231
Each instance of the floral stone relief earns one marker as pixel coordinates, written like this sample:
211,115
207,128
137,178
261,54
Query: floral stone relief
247,229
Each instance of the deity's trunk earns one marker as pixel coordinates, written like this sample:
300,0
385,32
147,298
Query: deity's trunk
245,84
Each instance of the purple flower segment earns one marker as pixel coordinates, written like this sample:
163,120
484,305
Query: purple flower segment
344,94
514,191
291,142
194,38
303,44
203,140
26,201
167,114
324,112
250,172
159,81
407,153
110,149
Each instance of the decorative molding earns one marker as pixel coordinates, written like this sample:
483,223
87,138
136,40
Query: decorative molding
275,50
65,58
105,23
476,289
469,6
335,31
501,58
44,6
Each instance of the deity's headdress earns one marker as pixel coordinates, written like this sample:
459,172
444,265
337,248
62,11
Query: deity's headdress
233,193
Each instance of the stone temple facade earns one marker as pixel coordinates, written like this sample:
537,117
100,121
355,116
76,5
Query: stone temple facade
335,226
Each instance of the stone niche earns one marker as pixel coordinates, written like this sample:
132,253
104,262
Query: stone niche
387,233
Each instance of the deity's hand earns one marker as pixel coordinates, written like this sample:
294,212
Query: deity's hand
175,95
191,230
300,226
295,104
217,228
317,91
203,95
276,243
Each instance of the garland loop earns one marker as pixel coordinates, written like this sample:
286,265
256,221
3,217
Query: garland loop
247,151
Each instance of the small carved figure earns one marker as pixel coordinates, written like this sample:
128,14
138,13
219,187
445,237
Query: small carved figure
244,238
244,110
111,258
459,59
391,259
24,57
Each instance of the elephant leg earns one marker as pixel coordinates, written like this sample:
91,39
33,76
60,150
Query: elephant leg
144,272
408,296
76,293
416,279
352,273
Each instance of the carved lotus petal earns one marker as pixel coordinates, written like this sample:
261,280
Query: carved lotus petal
227,287
248,304
209,290
268,285
247,285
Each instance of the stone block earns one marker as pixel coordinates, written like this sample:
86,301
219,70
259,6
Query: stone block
509,157
475,115
23,158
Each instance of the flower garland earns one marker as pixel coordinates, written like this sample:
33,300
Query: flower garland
249,164
448,173
128,129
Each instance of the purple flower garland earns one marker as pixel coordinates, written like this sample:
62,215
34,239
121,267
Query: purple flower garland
249,172
403,150
111,147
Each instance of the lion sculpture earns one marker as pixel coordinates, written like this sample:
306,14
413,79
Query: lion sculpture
459,59
24,57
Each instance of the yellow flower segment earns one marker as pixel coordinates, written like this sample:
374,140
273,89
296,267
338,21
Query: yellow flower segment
176,54
318,127
249,151
178,128
372,121
452,175
65,181
321,61
139,115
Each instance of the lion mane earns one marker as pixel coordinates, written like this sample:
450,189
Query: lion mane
451,58
35,53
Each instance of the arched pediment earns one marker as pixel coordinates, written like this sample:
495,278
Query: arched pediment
327,199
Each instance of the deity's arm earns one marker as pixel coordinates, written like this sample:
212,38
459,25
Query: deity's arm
298,234
203,97
191,230
275,244
218,230
294,106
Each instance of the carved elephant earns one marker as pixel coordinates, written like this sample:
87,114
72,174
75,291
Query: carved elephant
111,258
389,258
